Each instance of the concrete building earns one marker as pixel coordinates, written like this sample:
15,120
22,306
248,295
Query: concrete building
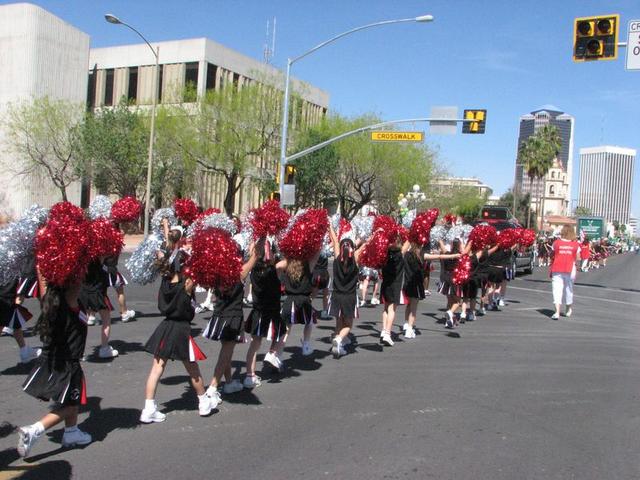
126,72
633,226
556,191
444,184
41,55
606,181
530,124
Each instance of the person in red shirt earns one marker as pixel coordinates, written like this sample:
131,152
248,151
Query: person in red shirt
585,253
566,250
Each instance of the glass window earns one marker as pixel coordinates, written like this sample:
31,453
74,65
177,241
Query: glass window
108,89
132,93
212,71
91,90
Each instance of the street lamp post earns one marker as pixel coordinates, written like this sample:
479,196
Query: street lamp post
152,135
291,61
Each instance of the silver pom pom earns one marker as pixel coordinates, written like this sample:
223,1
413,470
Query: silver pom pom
17,242
100,208
408,219
334,220
438,233
363,226
142,263
453,233
215,220
160,214
327,248
465,232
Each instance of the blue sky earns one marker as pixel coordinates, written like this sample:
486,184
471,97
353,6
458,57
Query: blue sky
507,56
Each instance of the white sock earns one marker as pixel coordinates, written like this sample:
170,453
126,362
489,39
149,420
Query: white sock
150,405
70,429
204,397
39,428
211,391
338,338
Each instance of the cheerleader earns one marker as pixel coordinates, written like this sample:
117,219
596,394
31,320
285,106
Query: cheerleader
117,281
29,284
226,326
13,316
58,377
414,267
93,296
343,304
172,340
297,308
498,272
473,286
446,286
392,287
264,320
369,275
320,282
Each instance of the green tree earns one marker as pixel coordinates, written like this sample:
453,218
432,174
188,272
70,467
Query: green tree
228,130
43,135
580,210
115,145
537,154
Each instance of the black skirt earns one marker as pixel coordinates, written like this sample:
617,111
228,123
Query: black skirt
448,288
265,323
29,287
95,300
172,340
496,274
225,329
343,305
116,279
320,279
470,289
414,290
393,292
61,381
297,309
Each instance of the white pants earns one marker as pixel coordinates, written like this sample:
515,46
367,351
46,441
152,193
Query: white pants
562,283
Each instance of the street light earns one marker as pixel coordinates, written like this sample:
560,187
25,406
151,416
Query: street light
156,53
416,195
291,61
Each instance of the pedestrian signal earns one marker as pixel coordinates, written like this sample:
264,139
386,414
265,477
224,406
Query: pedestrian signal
478,124
596,38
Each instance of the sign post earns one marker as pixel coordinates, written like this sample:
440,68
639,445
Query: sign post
633,46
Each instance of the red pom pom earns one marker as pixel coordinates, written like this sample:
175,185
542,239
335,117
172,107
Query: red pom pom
527,237
422,225
65,212
186,210
374,253
215,260
61,250
403,233
303,240
269,219
462,271
345,227
105,240
125,210
483,236
450,219
508,237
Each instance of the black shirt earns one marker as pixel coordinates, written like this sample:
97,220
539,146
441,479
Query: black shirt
300,287
68,334
265,286
174,302
345,276
229,303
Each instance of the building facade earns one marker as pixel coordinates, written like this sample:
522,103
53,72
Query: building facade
126,73
442,185
529,125
606,181
41,56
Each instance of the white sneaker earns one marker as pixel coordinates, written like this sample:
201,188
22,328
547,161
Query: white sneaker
471,317
346,341
569,312
427,293
7,331
76,437
336,346
405,326
306,348
449,319
107,352
91,320
128,315
251,381
555,316
152,416
386,340
361,303
234,386
410,333
501,302
205,405
28,353
483,310
250,298
28,438
324,315
273,360
215,398
375,301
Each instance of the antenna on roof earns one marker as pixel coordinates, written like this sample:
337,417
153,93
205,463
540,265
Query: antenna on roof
269,50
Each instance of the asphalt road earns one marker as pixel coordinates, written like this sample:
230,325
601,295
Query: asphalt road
514,395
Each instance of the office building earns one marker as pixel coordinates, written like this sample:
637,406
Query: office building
606,181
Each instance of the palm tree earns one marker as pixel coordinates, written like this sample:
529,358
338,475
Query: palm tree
536,155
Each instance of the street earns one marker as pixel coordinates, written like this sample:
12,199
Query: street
513,395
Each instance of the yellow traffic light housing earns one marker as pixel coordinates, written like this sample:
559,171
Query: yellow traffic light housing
289,174
478,124
596,38
274,196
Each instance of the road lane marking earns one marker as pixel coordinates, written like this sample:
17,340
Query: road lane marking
547,292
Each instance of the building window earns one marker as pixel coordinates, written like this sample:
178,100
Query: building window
161,67
236,80
91,90
552,189
108,88
212,72
553,174
132,93
191,82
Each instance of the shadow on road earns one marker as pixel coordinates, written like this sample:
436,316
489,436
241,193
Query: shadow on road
19,369
53,470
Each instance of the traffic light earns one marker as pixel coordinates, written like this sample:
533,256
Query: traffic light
479,118
596,38
289,174
274,196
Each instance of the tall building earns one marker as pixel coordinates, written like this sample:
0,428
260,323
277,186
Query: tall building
529,125
606,181
126,73
41,56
